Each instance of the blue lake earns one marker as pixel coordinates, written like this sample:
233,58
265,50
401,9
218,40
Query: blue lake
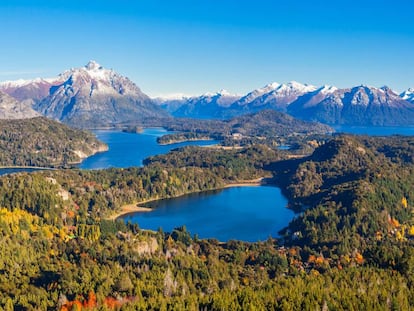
244,213
130,149
241,213
375,130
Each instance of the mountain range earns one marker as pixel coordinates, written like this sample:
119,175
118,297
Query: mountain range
359,105
204,107
92,96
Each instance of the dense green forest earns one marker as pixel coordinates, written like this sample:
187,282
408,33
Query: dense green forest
45,143
350,248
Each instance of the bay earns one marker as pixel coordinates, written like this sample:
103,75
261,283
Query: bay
249,213
130,149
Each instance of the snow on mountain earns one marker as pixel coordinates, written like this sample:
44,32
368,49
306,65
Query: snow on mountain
29,90
272,96
204,106
21,82
93,96
253,95
98,79
327,89
360,105
408,95
221,98
165,98
275,94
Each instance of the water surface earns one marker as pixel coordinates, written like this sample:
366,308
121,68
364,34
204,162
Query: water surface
130,149
375,130
242,213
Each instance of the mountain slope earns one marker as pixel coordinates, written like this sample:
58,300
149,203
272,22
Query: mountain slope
408,95
206,106
32,91
360,105
93,96
10,108
273,96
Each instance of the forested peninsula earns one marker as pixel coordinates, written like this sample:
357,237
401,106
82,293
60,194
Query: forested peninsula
264,127
44,143
351,247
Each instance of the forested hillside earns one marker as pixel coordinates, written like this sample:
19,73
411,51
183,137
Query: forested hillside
350,248
43,142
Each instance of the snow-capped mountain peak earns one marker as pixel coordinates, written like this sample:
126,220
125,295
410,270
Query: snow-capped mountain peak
257,93
295,87
91,95
29,90
327,89
408,95
21,82
92,70
93,65
224,92
274,96
97,80
221,93
268,87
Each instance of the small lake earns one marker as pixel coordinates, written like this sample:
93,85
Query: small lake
375,130
248,213
130,149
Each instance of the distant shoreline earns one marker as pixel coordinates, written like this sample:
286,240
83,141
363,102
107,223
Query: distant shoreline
177,141
131,208
28,167
136,207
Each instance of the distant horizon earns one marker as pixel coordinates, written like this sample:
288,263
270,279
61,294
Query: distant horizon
191,48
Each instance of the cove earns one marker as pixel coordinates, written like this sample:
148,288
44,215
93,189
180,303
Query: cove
248,213
130,149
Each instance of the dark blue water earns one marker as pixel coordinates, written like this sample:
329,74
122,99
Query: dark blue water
130,149
375,130
242,213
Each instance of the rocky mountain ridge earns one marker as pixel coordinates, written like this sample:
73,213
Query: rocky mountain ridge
359,105
87,97
92,96
10,108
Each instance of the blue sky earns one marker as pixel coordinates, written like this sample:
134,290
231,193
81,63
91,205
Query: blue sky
192,47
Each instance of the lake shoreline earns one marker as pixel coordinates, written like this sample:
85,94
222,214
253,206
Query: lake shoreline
137,208
28,167
178,141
